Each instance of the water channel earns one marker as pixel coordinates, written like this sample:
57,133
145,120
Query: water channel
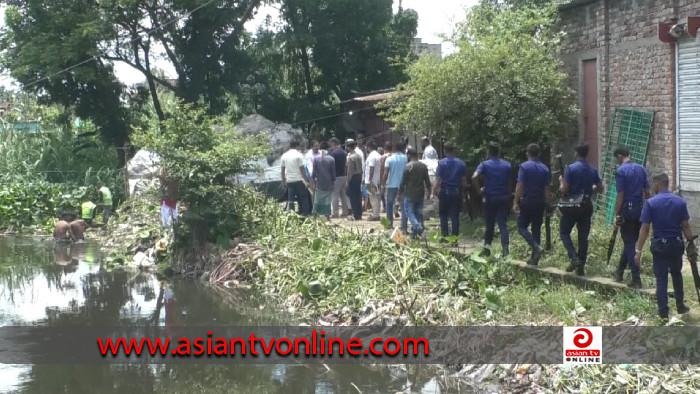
44,285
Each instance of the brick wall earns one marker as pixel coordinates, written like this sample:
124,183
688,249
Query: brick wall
635,69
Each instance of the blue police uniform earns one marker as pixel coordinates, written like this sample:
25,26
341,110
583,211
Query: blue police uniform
451,171
535,178
496,173
665,212
581,177
631,179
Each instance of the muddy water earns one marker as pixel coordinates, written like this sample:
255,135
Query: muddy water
41,284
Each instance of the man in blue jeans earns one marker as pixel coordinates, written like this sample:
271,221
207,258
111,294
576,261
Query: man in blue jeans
668,214
532,195
450,183
494,174
414,183
294,178
632,190
394,168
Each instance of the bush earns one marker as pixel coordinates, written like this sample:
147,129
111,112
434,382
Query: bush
200,152
504,84
38,203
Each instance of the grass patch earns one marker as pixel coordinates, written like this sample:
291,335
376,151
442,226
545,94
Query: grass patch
321,270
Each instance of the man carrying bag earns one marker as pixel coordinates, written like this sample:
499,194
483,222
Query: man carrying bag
578,183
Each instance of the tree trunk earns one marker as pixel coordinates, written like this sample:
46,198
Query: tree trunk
306,65
154,97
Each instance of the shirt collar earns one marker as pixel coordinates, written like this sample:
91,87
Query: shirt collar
664,191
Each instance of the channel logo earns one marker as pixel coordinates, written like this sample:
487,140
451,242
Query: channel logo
583,345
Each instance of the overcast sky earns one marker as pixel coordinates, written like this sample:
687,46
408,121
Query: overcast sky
435,17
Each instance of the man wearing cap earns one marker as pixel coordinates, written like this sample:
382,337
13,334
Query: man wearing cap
450,182
632,190
532,195
668,214
580,179
494,173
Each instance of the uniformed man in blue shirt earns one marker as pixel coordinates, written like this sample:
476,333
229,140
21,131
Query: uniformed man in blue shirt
580,181
632,190
450,184
494,174
532,195
668,214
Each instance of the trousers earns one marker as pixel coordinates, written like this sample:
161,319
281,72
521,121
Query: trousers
355,195
375,199
531,215
391,194
496,210
449,208
413,211
582,220
668,258
296,191
629,232
339,199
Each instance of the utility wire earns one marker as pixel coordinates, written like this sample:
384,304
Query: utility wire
148,33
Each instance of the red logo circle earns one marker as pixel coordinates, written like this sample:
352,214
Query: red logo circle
584,339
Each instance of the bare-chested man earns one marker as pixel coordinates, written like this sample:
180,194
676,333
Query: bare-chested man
63,232
78,227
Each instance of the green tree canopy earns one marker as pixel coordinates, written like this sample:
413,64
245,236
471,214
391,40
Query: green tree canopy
503,84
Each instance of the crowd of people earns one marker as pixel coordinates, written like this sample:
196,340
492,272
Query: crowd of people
345,181
333,181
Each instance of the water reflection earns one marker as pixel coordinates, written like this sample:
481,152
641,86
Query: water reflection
43,284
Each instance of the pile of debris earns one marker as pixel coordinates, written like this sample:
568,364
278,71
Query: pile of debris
236,266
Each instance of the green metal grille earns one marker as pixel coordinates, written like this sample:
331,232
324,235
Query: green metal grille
630,128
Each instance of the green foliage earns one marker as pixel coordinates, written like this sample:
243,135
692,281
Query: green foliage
43,38
503,84
199,152
38,203
324,52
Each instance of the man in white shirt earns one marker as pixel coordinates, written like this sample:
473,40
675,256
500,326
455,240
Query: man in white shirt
313,154
429,153
372,179
294,178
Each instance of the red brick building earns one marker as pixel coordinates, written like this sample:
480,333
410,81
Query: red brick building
639,54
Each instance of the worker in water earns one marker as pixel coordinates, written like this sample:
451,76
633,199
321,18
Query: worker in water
78,227
62,232
105,199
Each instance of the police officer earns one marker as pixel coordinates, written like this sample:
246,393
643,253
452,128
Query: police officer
632,189
579,181
532,195
450,184
494,174
668,214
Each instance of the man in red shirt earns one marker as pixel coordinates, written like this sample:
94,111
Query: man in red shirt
168,201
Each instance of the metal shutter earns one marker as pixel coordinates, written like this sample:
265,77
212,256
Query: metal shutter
689,114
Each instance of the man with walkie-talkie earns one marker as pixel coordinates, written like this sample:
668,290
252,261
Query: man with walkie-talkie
632,190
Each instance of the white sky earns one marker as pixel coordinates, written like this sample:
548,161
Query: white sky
435,17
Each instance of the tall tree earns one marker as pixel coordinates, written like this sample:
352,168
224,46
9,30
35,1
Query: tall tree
503,84
44,40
